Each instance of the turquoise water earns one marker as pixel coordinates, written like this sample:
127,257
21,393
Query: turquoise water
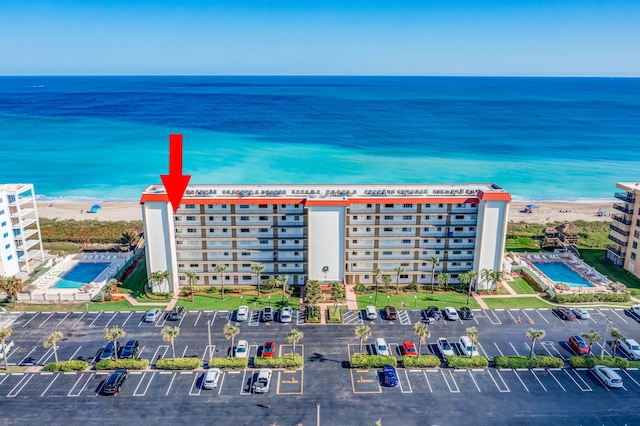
81,274
561,273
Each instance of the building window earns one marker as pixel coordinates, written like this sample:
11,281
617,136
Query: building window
245,253
191,230
423,276
244,230
262,206
437,251
7,246
283,229
389,206
441,205
1,211
369,206
355,229
387,253
368,229
246,265
635,244
244,206
633,256
283,218
388,218
296,241
193,265
404,264
367,253
4,223
469,252
296,218
459,217
10,257
352,241
427,217
211,218
224,218
388,229
457,252
296,253
407,217
368,217
366,277
190,206
427,205
404,253
264,241
263,218
224,230
407,229
263,230
407,205
457,240
404,276
283,205
283,241
246,277
355,218
244,217
354,253
224,206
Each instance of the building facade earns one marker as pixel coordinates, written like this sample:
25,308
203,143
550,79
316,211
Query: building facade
325,232
20,240
625,229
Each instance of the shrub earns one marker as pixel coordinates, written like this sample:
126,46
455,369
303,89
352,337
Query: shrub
279,362
411,287
73,365
467,362
360,288
334,315
537,361
127,364
99,297
313,314
229,363
158,296
634,364
373,361
590,361
592,297
178,364
422,361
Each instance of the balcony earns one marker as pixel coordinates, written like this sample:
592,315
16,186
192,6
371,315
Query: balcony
618,242
624,208
615,257
627,197
622,220
618,230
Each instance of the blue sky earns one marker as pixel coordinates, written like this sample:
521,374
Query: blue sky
288,37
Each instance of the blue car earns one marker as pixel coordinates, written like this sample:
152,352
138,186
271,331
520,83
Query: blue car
389,376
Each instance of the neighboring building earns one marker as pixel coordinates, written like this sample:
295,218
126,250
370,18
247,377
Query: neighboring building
625,229
20,241
325,232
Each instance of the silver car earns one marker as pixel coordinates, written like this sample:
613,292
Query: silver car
445,347
152,315
608,376
285,314
211,378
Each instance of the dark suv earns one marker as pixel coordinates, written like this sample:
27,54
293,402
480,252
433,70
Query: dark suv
130,349
109,351
565,313
176,313
114,382
390,313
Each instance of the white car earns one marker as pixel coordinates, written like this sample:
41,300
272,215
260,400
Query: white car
242,350
608,376
152,315
450,313
635,309
381,347
445,347
630,348
211,378
8,347
261,385
285,314
243,313
581,313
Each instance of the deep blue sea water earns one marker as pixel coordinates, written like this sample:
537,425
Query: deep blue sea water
107,138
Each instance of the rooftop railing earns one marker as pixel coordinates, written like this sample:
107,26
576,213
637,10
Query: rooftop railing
626,197
618,242
624,208
621,219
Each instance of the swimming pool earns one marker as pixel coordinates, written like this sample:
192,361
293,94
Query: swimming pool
81,274
561,273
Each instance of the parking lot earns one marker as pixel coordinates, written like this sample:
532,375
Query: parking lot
293,395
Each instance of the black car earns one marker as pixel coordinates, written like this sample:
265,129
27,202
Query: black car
114,382
109,351
465,313
432,313
390,313
564,313
130,349
176,313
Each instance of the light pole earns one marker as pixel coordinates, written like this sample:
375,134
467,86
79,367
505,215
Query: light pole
606,333
209,331
318,414
370,298
415,300
388,299
241,297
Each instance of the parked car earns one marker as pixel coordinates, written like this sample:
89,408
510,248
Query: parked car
630,348
445,347
409,349
211,378
261,385
450,313
608,376
371,312
465,313
381,347
285,314
8,347
130,349
242,349
389,376
467,348
564,313
581,313
243,313
635,309
109,351
432,312
578,344
113,383
176,313
390,313
267,313
152,315
269,349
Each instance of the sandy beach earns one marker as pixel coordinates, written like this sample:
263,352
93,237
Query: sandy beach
545,213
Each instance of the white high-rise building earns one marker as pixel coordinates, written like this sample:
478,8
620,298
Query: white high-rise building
325,232
20,240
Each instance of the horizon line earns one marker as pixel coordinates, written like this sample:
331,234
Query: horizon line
327,75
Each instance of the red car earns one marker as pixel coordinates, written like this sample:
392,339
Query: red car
579,345
409,349
269,349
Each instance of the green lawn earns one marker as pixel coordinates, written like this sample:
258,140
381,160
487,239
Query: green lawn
521,286
423,300
522,244
515,302
232,301
595,258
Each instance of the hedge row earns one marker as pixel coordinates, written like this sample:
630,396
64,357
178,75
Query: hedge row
531,278
127,364
592,297
312,314
334,315
455,361
373,361
229,363
287,361
422,361
590,361
178,364
73,365
537,361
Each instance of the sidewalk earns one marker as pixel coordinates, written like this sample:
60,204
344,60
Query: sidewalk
134,302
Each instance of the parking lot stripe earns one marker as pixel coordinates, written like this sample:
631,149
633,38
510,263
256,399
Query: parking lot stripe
244,380
545,344
65,317
542,316
618,315
26,323
533,371
170,384
144,375
79,319
557,381
94,320
184,314
496,345
19,386
474,380
496,383
408,383
483,351
221,382
114,315
427,379
452,379
605,350
514,348
46,355
511,315
194,384
83,386
529,319
157,355
74,354
197,318
632,379
521,382
588,389
125,321
50,384
185,351
488,313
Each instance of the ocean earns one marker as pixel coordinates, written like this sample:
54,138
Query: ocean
107,138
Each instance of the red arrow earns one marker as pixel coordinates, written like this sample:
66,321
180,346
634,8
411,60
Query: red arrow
175,183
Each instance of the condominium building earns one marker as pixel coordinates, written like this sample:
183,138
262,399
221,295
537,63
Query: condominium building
325,232
20,241
625,229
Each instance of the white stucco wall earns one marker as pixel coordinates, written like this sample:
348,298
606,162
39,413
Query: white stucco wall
326,242
490,238
159,240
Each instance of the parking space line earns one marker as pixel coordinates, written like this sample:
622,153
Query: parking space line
511,315
94,320
605,349
114,315
79,319
447,382
244,380
408,383
545,344
46,356
474,380
170,383
403,316
533,371
542,316
83,386
185,351
514,348
588,389
144,374
632,379
74,354
524,312
182,318
496,383
50,384
157,355
519,378
496,345
254,318
65,317
198,318
497,320
194,384
26,356
125,321
26,323
554,378
427,379
163,319
20,385
221,382
483,351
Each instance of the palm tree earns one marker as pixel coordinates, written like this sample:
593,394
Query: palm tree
363,332
12,286
337,293
398,271
159,277
5,333
422,331
465,279
113,334
168,335
230,331
312,292
534,335
51,342
485,274
592,337
435,261
257,269
496,278
387,280
192,277
617,336
376,277
282,279
220,270
294,337
443,279
472,334
128,239
472,276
